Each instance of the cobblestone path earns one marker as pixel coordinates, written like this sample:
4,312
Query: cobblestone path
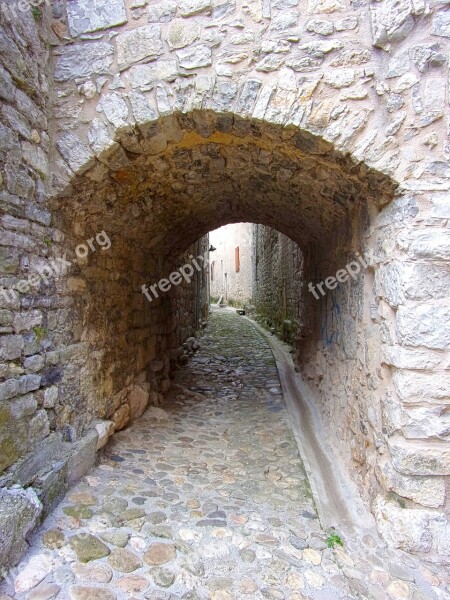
207,499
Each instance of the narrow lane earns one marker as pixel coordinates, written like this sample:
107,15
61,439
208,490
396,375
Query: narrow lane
204,498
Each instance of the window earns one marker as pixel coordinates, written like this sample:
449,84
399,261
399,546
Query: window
237,264
212,270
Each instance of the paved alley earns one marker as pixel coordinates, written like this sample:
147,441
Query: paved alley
205,498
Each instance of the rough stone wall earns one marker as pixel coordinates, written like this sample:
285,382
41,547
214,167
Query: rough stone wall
170,119
81,351
27,357
278,282
236,287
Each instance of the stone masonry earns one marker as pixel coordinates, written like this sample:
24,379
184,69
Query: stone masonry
154,122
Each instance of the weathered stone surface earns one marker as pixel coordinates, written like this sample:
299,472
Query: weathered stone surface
75,152
81,61
82,458
138,44
121,417
340,78
195,57
413,387
46,591
162,11
115,109
159,554
427,491
441,24
37,568
137,401
104,430
124,561
425,325
78,592
410,529
391,22
88,547
429,244
420,458
100,138
83,19
133,173
94,573
19,513
193,7
182,33
145,77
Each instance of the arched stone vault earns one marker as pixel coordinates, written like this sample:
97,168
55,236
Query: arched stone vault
219,167
158,121
154,203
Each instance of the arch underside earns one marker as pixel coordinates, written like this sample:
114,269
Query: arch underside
170,182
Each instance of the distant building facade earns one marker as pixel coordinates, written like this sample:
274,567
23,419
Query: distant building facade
231,263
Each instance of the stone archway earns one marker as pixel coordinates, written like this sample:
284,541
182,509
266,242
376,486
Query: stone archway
160,185
214,113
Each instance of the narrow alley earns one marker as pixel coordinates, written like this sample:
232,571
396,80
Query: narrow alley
203,498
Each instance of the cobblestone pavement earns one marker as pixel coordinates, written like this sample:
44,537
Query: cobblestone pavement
207,498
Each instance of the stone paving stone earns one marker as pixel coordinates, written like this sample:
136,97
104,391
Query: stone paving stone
210,501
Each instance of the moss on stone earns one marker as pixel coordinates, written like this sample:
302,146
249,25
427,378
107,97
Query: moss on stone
9,452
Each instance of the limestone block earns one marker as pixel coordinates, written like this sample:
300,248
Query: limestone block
35,571
193,7
320,26
82,458
426,281
36,158
137,400
121,417
80,61
7,90
25,321
19,514
441,24
115,109
426,422
138,44
247,97
77,154
100,138
427,491
182,33
433,244
391,21
162,11
406,358
424,325
144,114
11,347
195,56
145,76
84,17
413,387
412,530
325,6
389,283
43,455
104,429
420,458
16,121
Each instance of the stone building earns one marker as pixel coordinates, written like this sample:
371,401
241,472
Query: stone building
150,123
231,263
278,283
